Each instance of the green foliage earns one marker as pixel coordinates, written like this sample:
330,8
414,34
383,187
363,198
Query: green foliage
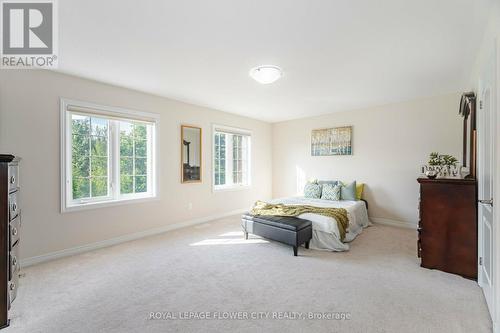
90,160
220,158
449,160
435,159
133,158
89,156
127,184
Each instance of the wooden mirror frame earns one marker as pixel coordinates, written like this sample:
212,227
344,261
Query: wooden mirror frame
468,111
182,154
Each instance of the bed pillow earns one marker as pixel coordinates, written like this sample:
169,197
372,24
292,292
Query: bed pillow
330,192
312,190
348,191
359,190
331,182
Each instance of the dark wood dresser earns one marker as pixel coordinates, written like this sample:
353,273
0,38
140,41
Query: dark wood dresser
10,223
447,229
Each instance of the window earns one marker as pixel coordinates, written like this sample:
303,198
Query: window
108,155
231,158
134,146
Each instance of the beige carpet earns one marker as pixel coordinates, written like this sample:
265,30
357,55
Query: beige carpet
378,285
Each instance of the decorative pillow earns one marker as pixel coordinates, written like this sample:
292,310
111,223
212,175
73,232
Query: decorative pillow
330,192
348,192
312,190
332,182
359,190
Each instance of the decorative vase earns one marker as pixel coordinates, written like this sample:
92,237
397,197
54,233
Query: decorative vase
464,172
445,171
455,172
431,174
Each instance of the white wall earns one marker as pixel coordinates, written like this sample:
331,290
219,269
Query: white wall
390,143
492,32
29,127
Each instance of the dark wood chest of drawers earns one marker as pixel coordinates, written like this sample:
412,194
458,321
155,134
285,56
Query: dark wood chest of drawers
447,229
10,223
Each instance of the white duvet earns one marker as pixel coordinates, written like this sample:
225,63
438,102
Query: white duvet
326,235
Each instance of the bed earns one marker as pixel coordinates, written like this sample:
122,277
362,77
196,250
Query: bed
326,234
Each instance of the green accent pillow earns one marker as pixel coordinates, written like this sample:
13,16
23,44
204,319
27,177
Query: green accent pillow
330,192
312,190
348,191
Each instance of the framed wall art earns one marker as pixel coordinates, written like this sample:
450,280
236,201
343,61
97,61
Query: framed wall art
331,141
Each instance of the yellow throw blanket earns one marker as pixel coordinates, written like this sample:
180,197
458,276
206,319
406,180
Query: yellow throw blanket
338,214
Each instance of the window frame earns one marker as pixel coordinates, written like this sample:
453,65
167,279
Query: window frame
113,198
229,161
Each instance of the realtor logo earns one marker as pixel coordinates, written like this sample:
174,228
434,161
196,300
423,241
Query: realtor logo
28,34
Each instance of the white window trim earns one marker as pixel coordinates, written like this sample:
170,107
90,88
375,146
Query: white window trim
66,152
232,187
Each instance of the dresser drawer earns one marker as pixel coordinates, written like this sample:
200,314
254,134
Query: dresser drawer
13,286
13,206
14,261
13,177
14,231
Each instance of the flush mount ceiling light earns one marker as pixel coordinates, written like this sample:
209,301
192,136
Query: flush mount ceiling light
266,74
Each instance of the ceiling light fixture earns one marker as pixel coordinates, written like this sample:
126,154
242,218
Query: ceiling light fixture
266,74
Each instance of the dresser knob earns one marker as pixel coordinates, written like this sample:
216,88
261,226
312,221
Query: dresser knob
12,179
14,231
14,261
14,207
12,286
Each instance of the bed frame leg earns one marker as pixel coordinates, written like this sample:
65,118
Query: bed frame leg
307,245
246,235
295,248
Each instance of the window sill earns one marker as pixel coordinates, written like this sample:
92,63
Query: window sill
231,188
109,203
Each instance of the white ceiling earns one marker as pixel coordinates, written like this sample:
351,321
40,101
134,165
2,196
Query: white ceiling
336,55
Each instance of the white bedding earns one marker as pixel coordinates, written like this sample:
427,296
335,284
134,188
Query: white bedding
326,235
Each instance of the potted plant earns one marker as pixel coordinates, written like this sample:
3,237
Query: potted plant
433,166
441,165
449,163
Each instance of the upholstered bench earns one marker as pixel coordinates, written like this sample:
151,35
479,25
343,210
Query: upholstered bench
285,229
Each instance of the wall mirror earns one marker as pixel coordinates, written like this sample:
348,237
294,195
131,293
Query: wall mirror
468,111
191,154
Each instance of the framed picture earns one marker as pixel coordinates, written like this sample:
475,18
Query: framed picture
190,154
331,141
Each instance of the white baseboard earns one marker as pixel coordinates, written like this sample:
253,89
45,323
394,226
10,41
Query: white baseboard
496,328
394,223
125,238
